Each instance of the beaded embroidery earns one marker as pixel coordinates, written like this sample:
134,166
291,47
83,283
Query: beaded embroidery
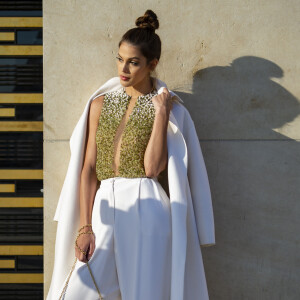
134,138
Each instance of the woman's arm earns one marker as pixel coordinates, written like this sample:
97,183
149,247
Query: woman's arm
156,154
89,181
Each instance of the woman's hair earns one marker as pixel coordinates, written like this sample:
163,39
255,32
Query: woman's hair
144,36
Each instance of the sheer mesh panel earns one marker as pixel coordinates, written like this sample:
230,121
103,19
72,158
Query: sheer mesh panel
118,136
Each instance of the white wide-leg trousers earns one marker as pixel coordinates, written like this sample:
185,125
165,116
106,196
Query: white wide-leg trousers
131,220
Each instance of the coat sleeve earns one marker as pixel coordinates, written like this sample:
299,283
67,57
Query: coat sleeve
199,185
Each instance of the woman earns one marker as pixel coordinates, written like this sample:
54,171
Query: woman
133,241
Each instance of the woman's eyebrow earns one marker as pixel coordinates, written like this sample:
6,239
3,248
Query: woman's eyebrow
131,57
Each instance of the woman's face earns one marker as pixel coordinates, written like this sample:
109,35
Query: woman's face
133,69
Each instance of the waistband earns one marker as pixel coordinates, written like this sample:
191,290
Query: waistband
121,179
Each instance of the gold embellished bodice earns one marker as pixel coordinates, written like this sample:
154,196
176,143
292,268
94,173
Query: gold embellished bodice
123,133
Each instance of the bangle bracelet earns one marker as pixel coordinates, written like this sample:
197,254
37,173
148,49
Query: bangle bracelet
87,225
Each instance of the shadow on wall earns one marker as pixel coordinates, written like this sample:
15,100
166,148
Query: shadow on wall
241,101
254,174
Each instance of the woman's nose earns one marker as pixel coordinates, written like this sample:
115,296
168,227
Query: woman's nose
125,68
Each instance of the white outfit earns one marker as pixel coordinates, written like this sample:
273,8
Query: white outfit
191,222
131,219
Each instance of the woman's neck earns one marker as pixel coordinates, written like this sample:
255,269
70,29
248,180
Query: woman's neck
142,88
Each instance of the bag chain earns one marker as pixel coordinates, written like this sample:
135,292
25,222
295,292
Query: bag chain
66,285
67,282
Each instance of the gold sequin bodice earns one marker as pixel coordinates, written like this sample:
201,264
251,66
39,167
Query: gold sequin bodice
123,133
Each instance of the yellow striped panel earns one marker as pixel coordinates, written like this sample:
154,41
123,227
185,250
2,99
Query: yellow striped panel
21,174
21,202
7,188
21,98
7,112
21,250
7,36
7,263
21,21
21,126
21,50
21,277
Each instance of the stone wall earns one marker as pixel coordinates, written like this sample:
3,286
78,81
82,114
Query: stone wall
236,66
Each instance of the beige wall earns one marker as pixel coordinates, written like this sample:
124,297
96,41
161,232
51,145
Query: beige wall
236,65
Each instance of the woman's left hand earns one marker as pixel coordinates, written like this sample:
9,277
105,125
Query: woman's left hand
163,101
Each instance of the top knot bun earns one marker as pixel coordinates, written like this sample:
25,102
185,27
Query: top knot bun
148,20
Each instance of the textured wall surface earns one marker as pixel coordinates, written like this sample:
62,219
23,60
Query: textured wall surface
236,66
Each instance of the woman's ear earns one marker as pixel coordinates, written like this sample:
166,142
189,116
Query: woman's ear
153,63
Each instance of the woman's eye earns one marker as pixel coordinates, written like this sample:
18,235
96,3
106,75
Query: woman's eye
132,62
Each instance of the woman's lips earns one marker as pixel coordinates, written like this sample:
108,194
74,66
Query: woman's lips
124,78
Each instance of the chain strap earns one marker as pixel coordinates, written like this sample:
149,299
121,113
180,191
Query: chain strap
62,296
100,296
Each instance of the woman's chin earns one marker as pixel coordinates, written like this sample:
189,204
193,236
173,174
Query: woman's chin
125,83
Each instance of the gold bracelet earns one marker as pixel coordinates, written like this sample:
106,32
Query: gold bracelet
87,225
82,251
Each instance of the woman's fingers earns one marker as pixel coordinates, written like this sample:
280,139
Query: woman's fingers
87,245
169,98
81,257
91,250
165,90
163,100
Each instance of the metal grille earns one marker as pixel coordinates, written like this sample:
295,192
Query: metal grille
21,225
21,150
21,154
25,74
20,5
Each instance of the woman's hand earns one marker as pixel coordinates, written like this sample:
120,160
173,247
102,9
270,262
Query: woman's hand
163,101
86,242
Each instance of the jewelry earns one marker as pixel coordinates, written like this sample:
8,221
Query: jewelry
87,225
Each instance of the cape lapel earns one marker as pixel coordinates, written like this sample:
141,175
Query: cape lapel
177,176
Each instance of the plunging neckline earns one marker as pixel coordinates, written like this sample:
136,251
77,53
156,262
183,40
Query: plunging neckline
118,137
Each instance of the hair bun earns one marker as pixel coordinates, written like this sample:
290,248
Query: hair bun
148,20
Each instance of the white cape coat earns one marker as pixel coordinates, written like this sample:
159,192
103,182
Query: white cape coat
190,198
